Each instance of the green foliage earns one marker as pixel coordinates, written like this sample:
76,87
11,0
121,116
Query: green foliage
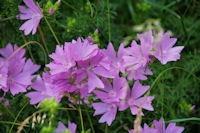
50,105
47,130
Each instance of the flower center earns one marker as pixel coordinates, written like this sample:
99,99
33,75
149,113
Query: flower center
112,94
164,52
113,106
131,101
143,60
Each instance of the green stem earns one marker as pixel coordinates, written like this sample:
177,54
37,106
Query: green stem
9,18
184,119
88,115
162,95
82,126
80,112
109,30
171,68
29,50
52,30
17,116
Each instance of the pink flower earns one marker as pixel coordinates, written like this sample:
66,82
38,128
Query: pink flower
112,94
96,31
44,89
193,107
109,112
139,74
66,58
61,127
94,67
146,129
3,73
172,128
116,61
134,100
19,72
32,14
51,11
59,1
72,127
6,103
138,55
165,51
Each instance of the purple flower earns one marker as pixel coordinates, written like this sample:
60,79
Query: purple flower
192,108
164,50
109,112
96,31
111,94
72,127
94,67
137,57
51,11
6,103
44,89
32,14
146,129
172,128
115,60
59,1
139,74
70,82
134,100
3,73
61,127
66,58
19,71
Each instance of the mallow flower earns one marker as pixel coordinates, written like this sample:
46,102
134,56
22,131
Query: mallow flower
44,89
138,55
3,73
139,74
109,111
51,11
66,57
146,129
134,99
62,128
32,14
164,50
116,60
95,67
171,128
20,72
110,96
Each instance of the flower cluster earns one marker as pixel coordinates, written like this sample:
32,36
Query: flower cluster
159,127
81,68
